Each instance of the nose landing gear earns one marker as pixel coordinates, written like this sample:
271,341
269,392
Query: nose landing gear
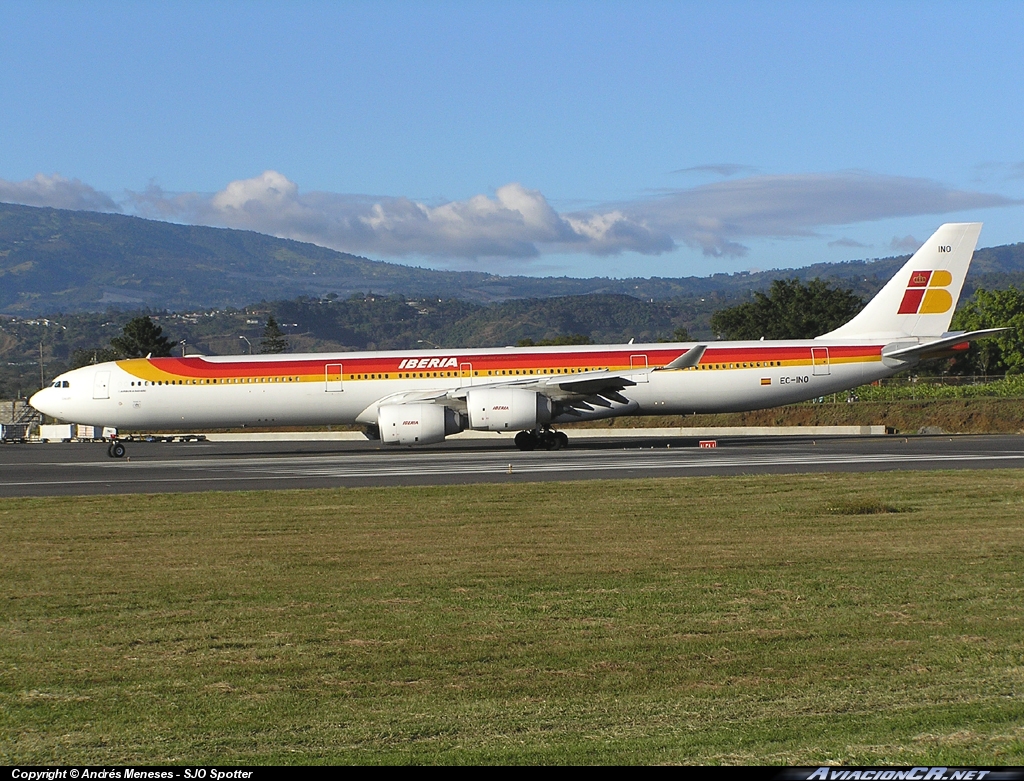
541,439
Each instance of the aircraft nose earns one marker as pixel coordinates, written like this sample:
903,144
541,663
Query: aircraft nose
42,401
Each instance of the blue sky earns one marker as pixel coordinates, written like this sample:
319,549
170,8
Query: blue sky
539,138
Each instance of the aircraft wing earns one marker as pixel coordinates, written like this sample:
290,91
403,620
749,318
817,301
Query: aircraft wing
560,387
588,384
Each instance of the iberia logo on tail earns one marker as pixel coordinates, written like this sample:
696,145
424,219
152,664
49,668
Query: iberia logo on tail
926,294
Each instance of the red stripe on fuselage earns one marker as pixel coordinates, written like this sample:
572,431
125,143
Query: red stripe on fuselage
199,368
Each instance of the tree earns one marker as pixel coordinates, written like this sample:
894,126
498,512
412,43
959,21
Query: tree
1000,354
274,340
681,334
557,340
80,358
790,310
141,337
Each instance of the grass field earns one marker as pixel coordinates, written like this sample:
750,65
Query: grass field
869,618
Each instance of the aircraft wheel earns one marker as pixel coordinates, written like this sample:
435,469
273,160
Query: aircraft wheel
110,450
525,440
563,440
552,441
117,450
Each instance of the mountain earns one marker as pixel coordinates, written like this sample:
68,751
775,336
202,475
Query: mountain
54,260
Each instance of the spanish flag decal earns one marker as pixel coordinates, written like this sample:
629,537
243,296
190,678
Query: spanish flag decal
926,294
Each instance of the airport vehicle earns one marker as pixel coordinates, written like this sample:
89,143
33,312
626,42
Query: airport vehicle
420,397
14,432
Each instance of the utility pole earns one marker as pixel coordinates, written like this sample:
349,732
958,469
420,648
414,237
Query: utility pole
42,380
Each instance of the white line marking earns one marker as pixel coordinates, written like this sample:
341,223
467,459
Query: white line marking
322,467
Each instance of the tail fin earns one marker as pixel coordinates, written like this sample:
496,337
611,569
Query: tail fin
920,299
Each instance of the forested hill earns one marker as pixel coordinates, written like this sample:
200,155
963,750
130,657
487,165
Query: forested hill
54,260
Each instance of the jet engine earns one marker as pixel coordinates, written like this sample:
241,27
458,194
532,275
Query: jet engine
416,424
507,409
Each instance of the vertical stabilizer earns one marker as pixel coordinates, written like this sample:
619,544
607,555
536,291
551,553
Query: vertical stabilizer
920,299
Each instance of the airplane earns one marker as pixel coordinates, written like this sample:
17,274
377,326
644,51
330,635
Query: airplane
419,397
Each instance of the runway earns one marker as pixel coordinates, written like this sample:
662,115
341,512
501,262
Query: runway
74,469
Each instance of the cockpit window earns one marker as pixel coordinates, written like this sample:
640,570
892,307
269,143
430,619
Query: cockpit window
65,384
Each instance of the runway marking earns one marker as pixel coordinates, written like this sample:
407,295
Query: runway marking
603,465
541,460
425,465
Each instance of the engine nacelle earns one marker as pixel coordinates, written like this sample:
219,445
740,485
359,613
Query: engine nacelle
507,409
416,424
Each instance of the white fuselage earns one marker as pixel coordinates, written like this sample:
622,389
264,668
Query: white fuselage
340,388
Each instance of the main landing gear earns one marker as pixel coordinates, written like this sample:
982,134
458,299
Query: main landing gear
116,450
541,439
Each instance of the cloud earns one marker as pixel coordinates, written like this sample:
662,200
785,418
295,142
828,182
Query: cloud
515,223
717,217
906,244
519,223
996,170
57,192
844,242
719,169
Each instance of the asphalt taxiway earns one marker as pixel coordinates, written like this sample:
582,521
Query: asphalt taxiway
84,468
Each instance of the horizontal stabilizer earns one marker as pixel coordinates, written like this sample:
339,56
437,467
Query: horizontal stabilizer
938,346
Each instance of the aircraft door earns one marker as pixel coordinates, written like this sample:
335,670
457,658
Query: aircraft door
819,361
465,374
638,362
101,385
332,378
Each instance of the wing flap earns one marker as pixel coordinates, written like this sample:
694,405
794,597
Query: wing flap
560,386
590,382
